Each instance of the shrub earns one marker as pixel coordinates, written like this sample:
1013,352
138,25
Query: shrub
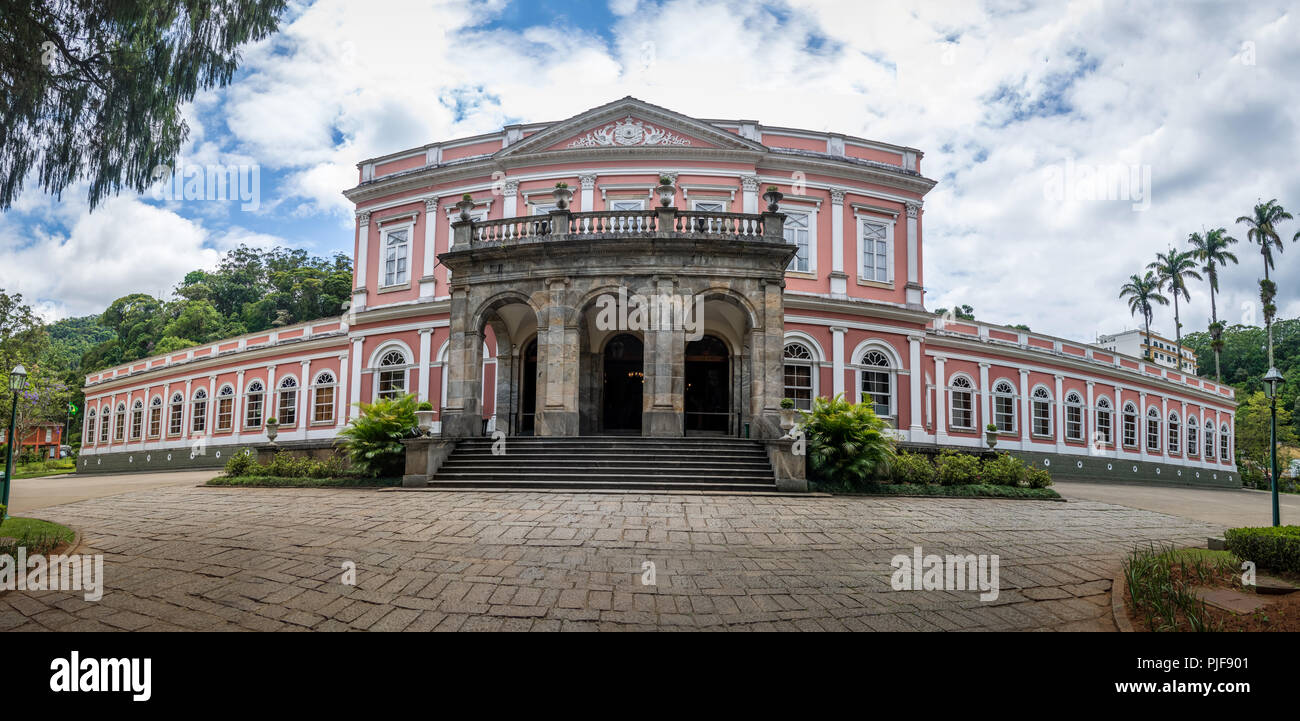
1004,470
1274,548
424,406
787,403
286,465
373,439
957,469
1038,477
240,463
912,468
846,441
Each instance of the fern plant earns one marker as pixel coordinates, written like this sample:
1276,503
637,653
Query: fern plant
847,442
373,440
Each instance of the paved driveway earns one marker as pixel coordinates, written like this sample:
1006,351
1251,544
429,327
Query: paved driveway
32,493
181,557
1221,507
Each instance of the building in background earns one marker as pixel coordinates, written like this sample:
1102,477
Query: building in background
494,309
1164,351
43,441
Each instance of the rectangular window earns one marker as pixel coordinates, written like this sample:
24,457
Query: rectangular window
544,208
323,408
1193,445
253,418
1042,418
104,423
1130,430
155,421
796,234
199,417
174,424
1103,426
963,406
225,414
288,408
1153,435
875,251
119,426
137,423
875,384
798,385
392,384
1223,443
626,224
49,435
1004,413
397,247
1074,423
1173,438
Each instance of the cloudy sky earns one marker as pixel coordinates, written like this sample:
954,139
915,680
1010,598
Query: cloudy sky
1018,106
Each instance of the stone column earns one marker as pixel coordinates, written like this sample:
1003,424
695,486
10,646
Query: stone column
837,360
915,429
663,402
557,361
430,251
463,416
422,382
769,343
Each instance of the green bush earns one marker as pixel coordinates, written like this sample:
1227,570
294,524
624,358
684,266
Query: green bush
846,441
957,469
1038,477
912,468
373,439
285,465
1277,549
1004,469
240,463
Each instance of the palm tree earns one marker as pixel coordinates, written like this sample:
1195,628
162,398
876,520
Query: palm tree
1172,271
1142,292
1212,249
1263,232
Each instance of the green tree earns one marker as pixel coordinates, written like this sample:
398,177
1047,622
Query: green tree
1173,269
1262,230
1142,293
94,90
1252,431
1212,250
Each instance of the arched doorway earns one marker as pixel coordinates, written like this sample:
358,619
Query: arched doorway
708,386
623,384
528,390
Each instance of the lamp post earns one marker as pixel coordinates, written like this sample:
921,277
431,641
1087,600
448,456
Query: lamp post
1272,380
17,382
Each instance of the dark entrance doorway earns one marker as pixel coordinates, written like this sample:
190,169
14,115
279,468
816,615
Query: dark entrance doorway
528,390
708,386
624,376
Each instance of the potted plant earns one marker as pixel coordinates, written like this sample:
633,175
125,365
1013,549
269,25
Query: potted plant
773,197
562,195
424,417
991,435
789,414
272,428
665,190
466,204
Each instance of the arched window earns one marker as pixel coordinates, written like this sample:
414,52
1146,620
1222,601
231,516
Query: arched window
392,375
1174,446
1153,430
90,427
878,382
119,423
1130,425
1193,440
1223,443
1073,416
155,417
323,397
287,408
254,403
175,421
1040,411
225,408
105,421
1004,407
1104,417
799,375
1209,440
962,405
199,412
137,419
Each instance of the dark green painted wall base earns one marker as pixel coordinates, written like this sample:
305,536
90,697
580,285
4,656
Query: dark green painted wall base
1097,468
176,459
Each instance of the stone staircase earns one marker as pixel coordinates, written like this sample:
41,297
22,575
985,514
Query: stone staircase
610,462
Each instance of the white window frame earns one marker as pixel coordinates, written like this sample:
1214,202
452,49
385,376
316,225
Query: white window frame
401,280
1074,407
316,387
1193,436
1010,396
254,399
224,393
1046,400
810,211
379,369
891,370
284,386
1153,416
1175,438
176,415
810,363
1225,450
955,390
1211,442
859,220
1105,410
137,420
196,418
1131,411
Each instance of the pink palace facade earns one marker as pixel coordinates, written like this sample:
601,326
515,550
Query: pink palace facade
491,319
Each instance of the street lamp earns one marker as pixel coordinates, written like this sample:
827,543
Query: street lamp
1272,380
17,382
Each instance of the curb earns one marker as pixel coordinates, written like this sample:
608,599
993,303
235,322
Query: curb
1119,589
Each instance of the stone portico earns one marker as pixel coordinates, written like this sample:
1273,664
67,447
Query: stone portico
542,283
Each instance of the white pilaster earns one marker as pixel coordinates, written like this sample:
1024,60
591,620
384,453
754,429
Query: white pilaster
363,243
749,193
341,392
354,387
510,199
1024,409
1143,427
426,335
430,248
304,398
986,398
587,196
940,399
839,279
837,359
914,380
1060,413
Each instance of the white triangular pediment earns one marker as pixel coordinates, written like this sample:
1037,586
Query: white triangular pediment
629,123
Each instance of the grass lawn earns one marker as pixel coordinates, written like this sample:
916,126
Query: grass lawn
934,489
44,468
35,535
283,482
